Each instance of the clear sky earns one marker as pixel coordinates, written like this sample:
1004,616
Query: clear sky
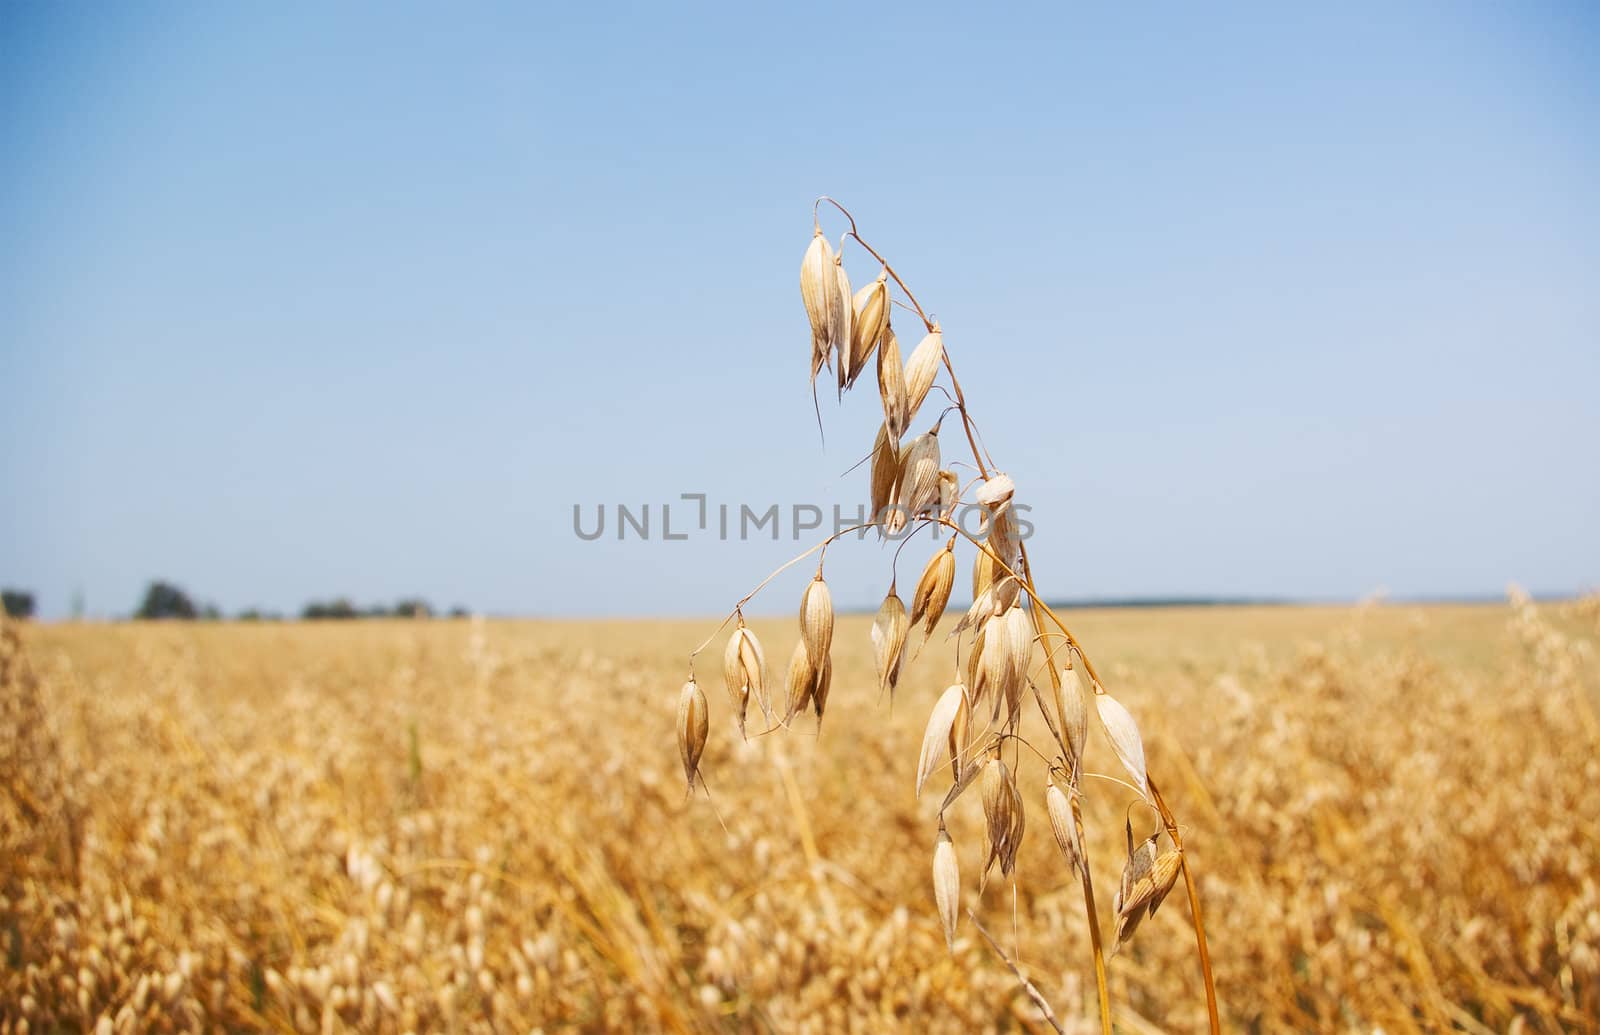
302,300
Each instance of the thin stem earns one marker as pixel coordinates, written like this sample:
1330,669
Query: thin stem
1171,824
785,566
1027,986
1026,582
917,306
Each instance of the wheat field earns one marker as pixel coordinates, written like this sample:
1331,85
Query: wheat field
1393,813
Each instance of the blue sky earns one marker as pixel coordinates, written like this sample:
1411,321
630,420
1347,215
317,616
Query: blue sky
298,301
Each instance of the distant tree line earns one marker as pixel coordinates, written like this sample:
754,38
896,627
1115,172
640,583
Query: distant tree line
164,601
17,603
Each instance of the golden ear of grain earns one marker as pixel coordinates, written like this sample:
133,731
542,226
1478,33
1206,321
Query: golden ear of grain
977,674
889,630
1132,902
819,690
1123,733
1064,824
1003,814
733,674
933,589
869,320
839,326
816,620
800,681
1072,709
753,661
936,737
946,884
885,475
817,288
892,384
921,369
1018,658
694,722
1164,875
919,475
961,739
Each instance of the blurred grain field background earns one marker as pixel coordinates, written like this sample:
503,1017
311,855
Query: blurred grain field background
481,826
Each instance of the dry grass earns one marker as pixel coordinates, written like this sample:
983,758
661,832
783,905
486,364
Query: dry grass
1394,815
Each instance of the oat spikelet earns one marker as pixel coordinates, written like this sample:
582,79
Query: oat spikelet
840,324
1164,875
1018,659
892,385
816,620
885,477
744,672
1123,733
936,738
946,884
1138,889
919,475
817,287
1003,813
933,589
694,722
819,689
921,369
1072,709
868,323
889,631
798,684
961,739
1064,824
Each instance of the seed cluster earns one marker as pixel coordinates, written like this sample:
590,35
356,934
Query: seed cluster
979,719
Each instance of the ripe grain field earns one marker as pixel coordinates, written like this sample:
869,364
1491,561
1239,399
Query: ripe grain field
481,826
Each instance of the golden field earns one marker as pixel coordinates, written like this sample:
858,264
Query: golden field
1393,813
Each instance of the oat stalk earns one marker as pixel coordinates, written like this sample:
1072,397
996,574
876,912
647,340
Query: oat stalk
912,488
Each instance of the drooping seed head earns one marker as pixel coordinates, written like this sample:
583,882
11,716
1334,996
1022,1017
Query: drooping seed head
933,589
694,722
869,320
1003,813
946,884
919,474
1133,898
892,385
1072,709
921,369
889,631
885,474
819,690
1164,875
744,671
936,737
1064,824
839,325
734,677
799,682
1123,733
817,288
816,619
